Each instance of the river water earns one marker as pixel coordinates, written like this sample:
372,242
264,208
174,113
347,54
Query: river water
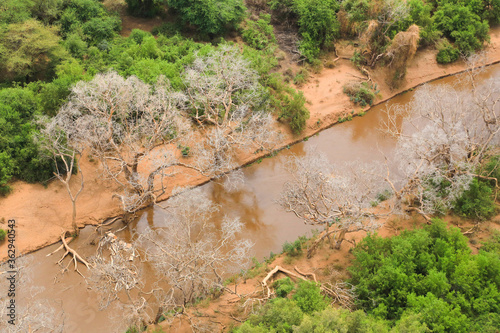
265,224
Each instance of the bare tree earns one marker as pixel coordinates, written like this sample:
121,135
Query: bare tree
226,100
337,197
190,254
54,140
116,276
121,121
447,133
190,257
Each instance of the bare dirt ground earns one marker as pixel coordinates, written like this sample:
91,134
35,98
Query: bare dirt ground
42,214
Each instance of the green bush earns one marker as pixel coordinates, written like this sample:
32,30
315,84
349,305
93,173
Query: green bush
492,170
211,17
283,287
476,203
144,8
294,249
309,298
446,53
316,20
3,234
289,103
464,27
278,315
361,93
431,272
258,34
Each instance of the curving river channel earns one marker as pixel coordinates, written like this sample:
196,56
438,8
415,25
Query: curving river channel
265,224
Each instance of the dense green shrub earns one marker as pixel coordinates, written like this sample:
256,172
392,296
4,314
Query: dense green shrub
29,51
476,202
492,170
144,8
278,315
20,157
283,287
431,272
287,315
316,20
464,27
309,298
446,52
294,249
361,92
258,34
3,233
211,17
289,103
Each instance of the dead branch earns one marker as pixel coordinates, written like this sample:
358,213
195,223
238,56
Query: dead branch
306,274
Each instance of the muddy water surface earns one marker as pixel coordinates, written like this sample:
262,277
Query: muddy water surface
265,224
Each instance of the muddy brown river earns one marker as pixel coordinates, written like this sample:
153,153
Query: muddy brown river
265,224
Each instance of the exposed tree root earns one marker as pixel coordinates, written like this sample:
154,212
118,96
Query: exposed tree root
274,271
68,240
76,256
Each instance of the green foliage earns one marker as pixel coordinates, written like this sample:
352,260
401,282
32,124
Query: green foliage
317,22
19,155
29,50
3,233
283,287
446,52
144,8
308,297
431,272
211,17
289,103
278,315
15,11
362,93
492,170
308,312
258,34
89,20
294,249
476,202
464,27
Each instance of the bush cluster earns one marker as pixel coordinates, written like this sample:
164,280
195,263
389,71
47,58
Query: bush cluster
316,20
429,273
361,93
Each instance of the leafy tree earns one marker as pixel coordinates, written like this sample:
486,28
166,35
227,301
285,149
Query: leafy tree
476,202
29,50
464,27
20,157
211,17
15,11
259,34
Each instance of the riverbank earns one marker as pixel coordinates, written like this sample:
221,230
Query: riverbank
42,214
